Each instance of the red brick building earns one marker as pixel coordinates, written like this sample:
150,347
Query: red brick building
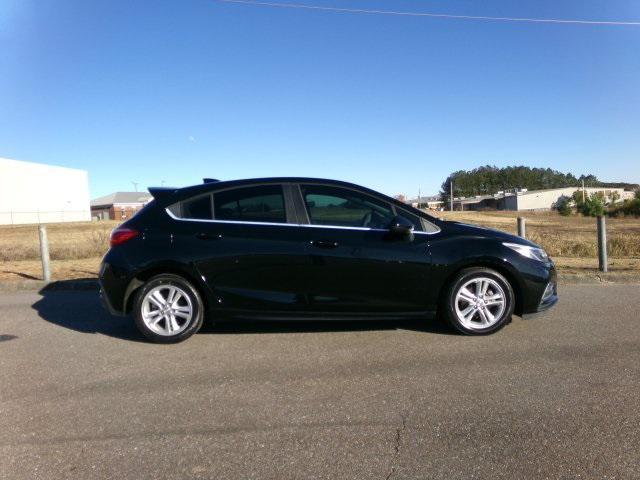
118,205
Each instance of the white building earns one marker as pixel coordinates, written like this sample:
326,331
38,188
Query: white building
523,199
432,202
549,199
40,193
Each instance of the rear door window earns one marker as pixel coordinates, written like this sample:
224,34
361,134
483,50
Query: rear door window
263,203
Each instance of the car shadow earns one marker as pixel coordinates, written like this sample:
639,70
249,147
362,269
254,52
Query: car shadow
75,304
80,310
22,275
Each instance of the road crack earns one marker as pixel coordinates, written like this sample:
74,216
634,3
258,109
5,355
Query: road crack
396,447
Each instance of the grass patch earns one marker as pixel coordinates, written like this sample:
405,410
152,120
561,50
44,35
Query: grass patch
68,241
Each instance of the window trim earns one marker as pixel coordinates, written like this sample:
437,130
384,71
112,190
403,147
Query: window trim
267,224
294,216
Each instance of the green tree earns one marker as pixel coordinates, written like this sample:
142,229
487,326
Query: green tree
490,179
592,207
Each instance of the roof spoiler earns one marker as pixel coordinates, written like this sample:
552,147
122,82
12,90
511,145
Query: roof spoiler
210,180
160,194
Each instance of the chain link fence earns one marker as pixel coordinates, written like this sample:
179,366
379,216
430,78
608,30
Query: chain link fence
48,216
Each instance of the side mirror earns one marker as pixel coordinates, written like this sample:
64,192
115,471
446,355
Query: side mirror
401,228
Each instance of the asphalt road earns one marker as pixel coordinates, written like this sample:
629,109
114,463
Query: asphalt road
558,396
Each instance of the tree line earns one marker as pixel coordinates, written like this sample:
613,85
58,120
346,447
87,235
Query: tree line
488,180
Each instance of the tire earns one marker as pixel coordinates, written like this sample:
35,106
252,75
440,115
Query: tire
168,309
488,308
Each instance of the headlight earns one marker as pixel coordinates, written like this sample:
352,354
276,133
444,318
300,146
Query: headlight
528,251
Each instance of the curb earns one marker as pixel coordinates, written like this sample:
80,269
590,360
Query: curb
84,284
597,279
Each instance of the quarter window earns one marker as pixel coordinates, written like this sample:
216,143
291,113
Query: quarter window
199,208
263,203
345,208
417,224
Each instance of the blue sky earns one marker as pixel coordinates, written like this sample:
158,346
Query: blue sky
177,90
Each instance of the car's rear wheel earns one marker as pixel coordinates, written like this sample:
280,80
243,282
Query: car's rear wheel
479,301
168,309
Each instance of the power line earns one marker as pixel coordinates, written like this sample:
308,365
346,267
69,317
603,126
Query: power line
425,14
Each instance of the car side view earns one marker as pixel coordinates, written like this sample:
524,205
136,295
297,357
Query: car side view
306,248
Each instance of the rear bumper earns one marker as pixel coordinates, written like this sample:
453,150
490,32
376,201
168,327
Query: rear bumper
113,284
106,304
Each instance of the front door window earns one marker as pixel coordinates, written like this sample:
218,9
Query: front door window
341,207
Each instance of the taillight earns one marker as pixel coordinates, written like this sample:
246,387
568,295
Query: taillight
121,235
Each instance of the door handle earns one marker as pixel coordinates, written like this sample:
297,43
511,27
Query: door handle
209,236
324,243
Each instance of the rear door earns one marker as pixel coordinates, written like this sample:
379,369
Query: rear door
246,247
356,267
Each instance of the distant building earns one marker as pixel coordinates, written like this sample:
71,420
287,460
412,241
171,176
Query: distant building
432,202
118,205
522,199
39,193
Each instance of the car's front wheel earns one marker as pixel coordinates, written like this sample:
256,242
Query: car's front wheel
168,309
479,301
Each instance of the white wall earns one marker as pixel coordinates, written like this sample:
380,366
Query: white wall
39,193
546,199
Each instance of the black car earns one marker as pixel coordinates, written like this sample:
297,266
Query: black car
305,248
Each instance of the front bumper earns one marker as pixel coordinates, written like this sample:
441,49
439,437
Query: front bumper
548,300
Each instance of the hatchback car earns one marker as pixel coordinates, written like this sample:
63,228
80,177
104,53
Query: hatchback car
305,248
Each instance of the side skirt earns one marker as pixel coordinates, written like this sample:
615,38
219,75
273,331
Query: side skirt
315,316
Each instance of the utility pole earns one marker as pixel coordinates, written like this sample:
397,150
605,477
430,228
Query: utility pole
135,186
451,195
583,199
418,198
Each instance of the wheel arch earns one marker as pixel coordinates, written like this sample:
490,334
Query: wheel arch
142,276
502,268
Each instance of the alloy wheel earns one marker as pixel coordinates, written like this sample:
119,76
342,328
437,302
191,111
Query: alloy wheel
167,310
480,303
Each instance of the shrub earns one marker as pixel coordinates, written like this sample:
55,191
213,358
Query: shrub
592,206
564,207
630,208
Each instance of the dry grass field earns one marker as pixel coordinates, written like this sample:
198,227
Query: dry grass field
573,236
76,248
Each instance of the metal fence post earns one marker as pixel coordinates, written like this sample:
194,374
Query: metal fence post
522,228
44,253
602,244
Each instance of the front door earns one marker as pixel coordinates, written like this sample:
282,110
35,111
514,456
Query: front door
357,267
